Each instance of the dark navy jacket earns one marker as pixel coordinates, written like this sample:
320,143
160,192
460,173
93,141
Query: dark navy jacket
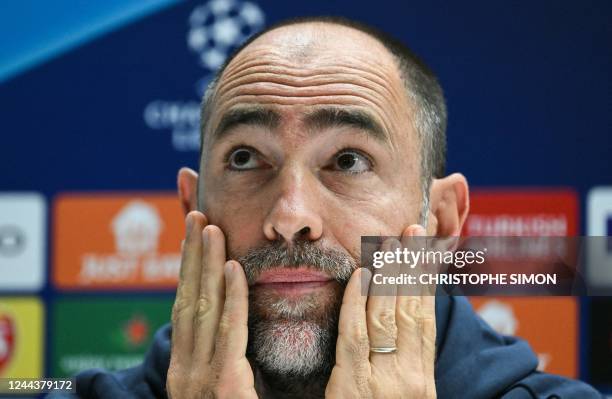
473,362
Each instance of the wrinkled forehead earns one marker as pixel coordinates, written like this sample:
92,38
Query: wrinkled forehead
310,65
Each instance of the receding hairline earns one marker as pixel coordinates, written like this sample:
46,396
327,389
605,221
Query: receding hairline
318,34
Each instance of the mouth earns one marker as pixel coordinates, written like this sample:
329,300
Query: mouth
293,281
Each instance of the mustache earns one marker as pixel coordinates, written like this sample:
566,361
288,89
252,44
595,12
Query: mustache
338,264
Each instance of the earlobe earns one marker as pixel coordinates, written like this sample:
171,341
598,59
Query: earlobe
187,184
450,204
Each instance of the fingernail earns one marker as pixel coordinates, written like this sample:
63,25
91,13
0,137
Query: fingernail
228,270
419,231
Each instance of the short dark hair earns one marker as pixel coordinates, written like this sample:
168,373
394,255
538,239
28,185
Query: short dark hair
421,84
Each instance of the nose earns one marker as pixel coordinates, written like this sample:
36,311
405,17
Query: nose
295,213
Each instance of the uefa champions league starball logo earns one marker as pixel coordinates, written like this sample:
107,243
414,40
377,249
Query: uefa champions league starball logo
219,26
216,28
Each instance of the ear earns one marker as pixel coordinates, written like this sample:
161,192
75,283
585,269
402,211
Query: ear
449,205
187,182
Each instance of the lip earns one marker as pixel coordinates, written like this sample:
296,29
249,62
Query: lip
293,281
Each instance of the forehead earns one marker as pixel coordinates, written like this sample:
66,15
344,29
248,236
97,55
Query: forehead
307,65
309,43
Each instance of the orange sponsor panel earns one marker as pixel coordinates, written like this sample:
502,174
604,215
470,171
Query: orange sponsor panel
117,241
550,325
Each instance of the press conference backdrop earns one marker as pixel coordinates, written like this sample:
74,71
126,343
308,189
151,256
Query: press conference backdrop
99,107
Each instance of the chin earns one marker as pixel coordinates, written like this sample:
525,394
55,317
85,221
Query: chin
294,336
291,348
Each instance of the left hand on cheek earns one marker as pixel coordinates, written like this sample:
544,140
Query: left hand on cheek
406,323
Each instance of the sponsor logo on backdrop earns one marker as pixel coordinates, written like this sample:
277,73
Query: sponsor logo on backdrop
599,223
12,240
215,29
136,230
136,331
122,336
548,324
522,213
127,242
21,335
499,316
22,241
502,319
7,340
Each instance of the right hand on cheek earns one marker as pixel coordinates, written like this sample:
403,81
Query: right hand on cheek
209,320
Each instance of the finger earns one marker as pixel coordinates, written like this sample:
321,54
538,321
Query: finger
380,309
232,336
414,244
353,346
428,313
211,294
410,234
416,320
414,239
188,287
428,354
428,342
409,307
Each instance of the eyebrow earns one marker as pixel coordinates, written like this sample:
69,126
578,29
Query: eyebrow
319,119
247,116
330,117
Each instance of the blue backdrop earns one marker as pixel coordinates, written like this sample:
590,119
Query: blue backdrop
106,97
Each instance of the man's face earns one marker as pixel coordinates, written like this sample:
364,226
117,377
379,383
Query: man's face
310,146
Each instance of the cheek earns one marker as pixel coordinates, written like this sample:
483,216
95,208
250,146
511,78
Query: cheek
240,221
383,215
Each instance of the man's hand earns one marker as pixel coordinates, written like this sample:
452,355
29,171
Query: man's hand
405,322
209,320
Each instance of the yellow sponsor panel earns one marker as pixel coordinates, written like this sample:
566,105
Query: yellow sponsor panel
21,337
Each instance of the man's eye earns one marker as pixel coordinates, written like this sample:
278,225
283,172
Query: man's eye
244,159
351,162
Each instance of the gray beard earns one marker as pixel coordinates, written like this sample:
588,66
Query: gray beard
299,349
293,358
292,342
